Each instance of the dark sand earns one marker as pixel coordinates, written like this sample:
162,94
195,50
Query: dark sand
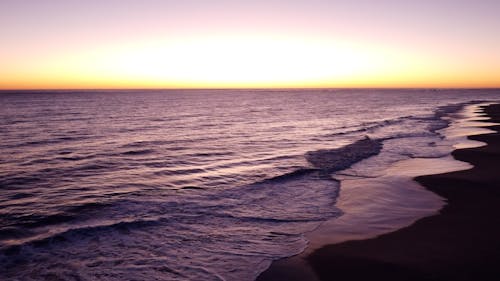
460,243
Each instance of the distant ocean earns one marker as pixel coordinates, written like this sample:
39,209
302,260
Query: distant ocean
196,184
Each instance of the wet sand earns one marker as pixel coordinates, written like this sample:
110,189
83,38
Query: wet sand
462,242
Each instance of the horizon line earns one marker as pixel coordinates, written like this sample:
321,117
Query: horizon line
250,88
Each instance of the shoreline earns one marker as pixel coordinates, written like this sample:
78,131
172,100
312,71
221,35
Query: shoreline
460,242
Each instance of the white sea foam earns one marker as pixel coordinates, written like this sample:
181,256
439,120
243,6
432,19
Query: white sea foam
378,195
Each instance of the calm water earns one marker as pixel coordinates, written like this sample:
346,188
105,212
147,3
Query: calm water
193,185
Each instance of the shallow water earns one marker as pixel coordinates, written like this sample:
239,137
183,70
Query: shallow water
200,185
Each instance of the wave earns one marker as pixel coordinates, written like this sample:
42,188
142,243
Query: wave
331,160
46,142
138,152
292,175
44,240
65,215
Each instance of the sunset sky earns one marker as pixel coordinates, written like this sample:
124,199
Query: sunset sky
62,44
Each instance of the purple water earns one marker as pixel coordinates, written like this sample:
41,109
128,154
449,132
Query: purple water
193,184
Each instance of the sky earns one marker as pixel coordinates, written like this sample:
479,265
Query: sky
74,44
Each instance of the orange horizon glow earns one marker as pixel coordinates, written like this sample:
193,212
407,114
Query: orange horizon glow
218,49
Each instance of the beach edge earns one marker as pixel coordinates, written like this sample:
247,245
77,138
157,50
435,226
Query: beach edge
459,243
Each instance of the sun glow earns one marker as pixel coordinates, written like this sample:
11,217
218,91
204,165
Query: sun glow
221,62
231,44
239,61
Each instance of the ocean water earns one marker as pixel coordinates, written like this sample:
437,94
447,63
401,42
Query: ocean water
209,184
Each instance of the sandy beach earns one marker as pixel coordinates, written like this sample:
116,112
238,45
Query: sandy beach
460,243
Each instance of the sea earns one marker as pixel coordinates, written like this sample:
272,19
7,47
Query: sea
214,184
